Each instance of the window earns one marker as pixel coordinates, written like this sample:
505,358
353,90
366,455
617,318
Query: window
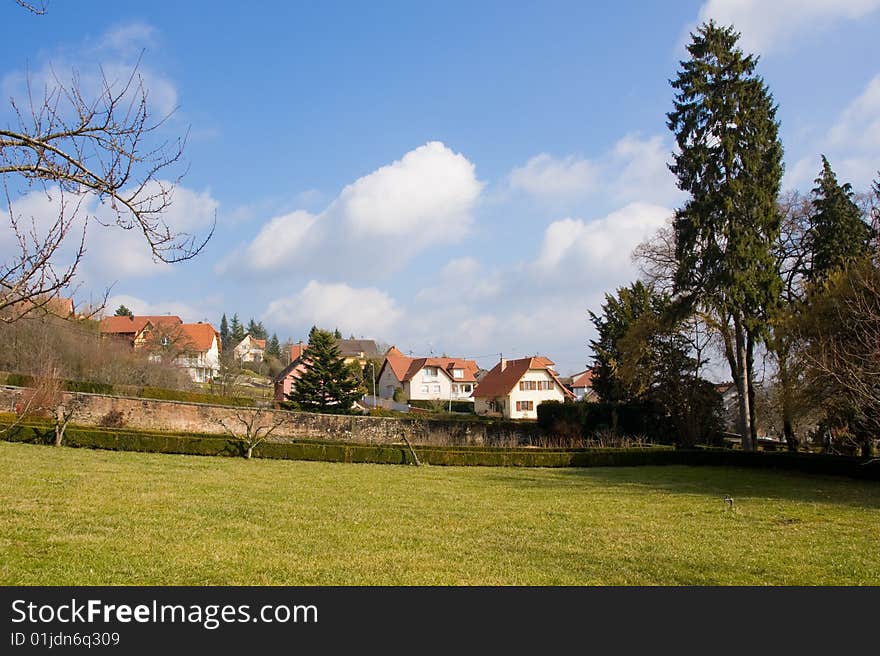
458,373
430,373
545,384
526,385
436,389
424,389
466,388
525,405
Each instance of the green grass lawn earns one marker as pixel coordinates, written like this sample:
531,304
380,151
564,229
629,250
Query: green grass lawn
77,517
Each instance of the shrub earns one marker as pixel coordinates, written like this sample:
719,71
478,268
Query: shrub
113,419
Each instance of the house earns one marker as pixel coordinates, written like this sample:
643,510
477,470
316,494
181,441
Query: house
200,351
391,374
426,379
295,351
514,388
135,331
287,377
42,305
582,386
192,346
250,349
358,350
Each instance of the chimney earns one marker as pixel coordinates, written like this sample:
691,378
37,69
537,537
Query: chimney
503,364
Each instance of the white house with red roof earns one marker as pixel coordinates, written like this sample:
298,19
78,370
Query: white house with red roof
426,379
250,349
514,388
201,351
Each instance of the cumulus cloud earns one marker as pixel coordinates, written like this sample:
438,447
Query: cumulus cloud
851,144
597,252
633,169
112,253
545,175
377,223
363,311
767,26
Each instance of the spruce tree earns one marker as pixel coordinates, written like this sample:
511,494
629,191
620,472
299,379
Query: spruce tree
838,235
123,311
236,331
730,164
224,332
273,347
327,384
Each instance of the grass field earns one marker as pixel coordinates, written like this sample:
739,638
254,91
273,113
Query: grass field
77,517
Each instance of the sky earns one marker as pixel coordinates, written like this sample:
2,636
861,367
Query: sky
467,178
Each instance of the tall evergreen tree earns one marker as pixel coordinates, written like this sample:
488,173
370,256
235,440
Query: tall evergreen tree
224,332
327,384
730,163
838,235
236,331
337,334
273,347
619,314
123,311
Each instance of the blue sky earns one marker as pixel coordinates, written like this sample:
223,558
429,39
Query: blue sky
467,178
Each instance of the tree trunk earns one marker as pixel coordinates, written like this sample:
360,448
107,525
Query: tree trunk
249,452
750,368
741,379
787,403
59,435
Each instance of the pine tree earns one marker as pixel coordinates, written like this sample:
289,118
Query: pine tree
123,311
730,163
273,347
224,332
236,331
839,235
327,384
337,334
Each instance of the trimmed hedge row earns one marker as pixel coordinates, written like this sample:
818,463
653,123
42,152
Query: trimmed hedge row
317,450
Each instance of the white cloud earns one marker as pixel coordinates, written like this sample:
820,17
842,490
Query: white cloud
597,252
851,144
360,311
377,223
461,280
634,169
545,175
111,253
767,26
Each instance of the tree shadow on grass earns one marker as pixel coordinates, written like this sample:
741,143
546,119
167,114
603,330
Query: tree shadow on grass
711,481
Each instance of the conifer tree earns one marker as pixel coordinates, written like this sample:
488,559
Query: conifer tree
236,330
224,332
730,163
273,347
327,384
839,235
123,311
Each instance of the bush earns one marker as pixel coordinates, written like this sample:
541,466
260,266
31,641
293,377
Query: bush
113,419
162,394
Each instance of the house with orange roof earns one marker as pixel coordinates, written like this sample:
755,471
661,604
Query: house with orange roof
426,379
514,388
136,330
250,349
201,354
582,385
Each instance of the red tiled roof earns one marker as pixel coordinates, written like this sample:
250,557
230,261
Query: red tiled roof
584,379
133,325
446,365
259,342
296,350
200,336
398,362
500,382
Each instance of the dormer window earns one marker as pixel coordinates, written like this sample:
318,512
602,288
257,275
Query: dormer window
458,373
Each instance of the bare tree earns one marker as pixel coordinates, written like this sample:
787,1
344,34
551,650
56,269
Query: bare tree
81,148
251,428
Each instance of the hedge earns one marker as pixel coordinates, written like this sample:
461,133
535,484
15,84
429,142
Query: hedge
215,445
